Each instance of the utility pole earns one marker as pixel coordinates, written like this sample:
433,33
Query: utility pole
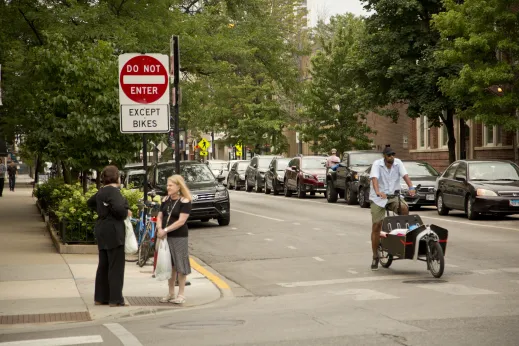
175,52
212,144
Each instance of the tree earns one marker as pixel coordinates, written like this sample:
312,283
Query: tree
399,66
333,106
481,37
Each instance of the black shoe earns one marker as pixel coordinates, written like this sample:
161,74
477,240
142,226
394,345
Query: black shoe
374,264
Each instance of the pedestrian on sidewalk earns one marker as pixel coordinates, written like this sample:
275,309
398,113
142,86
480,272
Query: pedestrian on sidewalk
112,209
3,169
171,223
12,171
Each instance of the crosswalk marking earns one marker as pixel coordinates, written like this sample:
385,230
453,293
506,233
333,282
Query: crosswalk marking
365,294
268,239
127,338
291,247
319,259
457,289
73,340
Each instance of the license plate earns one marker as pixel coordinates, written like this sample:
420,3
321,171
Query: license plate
514,202
429,197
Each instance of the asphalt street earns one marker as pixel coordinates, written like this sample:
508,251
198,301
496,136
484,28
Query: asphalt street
300,272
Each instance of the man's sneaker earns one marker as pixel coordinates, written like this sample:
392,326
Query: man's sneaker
374,264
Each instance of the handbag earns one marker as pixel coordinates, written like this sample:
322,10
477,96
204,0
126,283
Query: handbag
130,241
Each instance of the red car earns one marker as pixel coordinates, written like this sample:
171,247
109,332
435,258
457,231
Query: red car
305,174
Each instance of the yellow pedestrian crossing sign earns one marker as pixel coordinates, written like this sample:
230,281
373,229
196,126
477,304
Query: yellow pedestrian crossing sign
238,149
204,146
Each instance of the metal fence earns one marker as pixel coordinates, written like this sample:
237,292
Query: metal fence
76,232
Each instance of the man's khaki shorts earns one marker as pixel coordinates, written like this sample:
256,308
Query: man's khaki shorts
378,213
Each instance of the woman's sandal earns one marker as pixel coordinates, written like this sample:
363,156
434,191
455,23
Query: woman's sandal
167,299
179,300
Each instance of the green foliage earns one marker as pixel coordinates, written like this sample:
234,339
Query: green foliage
78,219
333,101
481,37
132,196
45,193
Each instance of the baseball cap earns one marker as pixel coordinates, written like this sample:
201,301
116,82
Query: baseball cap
334,150
388,151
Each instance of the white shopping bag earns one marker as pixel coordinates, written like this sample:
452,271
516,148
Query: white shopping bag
164,265
130,242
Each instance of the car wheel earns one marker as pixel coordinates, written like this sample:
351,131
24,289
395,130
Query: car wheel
440,205
363,201
331,193
275,187
236,186
469,208
301,193
257,187
288,193
247,187
224,220
267,190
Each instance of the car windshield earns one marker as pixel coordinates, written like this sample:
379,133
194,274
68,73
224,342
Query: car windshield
364,159
242,166
282,164
493,171
313,163
217,165
191,174
420,169
264,162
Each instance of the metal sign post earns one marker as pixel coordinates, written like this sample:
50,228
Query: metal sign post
175,99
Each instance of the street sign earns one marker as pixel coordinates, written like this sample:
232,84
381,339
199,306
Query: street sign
238,149
203,153
144,93
203,144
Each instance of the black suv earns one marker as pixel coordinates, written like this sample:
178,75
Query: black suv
344,181
255,173
210,198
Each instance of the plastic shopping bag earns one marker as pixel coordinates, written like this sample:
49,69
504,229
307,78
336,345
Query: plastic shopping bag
164,265
130,242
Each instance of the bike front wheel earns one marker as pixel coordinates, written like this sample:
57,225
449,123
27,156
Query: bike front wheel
144,248
435,259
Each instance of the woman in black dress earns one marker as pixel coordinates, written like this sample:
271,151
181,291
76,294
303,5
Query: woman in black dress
112,209
171,224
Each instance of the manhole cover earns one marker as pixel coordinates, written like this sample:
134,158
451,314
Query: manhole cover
45,318
204,324
425,281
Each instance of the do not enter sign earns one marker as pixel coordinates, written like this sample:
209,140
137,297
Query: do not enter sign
144,93
144,79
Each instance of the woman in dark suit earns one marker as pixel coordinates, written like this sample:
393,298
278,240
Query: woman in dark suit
112,209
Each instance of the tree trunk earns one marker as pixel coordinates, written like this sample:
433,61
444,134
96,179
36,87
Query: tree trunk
37,169
449,122
66,173
85,181
516,149
98,179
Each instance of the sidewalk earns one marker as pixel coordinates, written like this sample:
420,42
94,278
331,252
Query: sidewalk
38,285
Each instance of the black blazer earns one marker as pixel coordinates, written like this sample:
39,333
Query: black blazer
112,210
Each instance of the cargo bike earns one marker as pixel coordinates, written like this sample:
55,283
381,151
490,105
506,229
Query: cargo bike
412,239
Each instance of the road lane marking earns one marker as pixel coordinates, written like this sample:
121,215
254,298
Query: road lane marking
249,233
292,247
317,229
212,277
268,239
352,272
345,281
469,223
451,265
294,200
265,217
457,289
486,271
364,294
510,270
297,224
127,338
319,259
73,340
233,228
340,234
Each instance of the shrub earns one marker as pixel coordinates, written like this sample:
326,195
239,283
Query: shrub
132,196
43,192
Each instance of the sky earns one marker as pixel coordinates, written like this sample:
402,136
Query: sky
328,8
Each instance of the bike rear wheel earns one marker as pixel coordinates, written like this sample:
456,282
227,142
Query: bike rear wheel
144,247
435,259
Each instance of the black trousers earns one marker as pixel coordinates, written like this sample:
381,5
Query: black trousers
110,276
2,182
12,180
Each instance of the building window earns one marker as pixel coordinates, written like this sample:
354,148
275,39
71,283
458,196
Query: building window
423,133
492,136
443,136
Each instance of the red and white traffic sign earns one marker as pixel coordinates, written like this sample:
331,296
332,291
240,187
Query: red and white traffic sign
144,93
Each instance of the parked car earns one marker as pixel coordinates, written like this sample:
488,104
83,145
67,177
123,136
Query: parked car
344,181
226,170
129,167
210,198
236,178
135,178
479,187
305,174
421,173
275,175
255,173
216,166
